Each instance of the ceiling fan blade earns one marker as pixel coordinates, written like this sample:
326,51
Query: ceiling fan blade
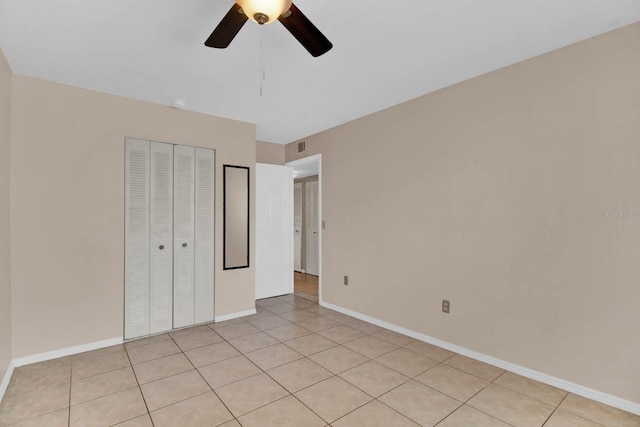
227,28
305,32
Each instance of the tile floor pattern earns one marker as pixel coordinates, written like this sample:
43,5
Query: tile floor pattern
292,364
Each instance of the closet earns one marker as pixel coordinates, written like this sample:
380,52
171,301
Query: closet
305,222
311,227
169,236
297,226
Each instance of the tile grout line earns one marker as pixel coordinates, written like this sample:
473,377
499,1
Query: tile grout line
139,387
170,337
263,372
311,385
463,403
283,342
373,398
497,385
96,375
473,407
571,412
343,321
338,375
566,393
409,378
205,381
555,409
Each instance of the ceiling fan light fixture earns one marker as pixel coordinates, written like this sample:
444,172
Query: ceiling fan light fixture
264,11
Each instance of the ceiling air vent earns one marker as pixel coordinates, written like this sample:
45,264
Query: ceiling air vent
302,146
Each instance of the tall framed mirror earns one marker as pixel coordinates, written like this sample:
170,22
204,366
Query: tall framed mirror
236,217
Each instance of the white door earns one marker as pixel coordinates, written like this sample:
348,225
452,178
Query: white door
297,226
136,247
274,230
311,227
161,238
204,234
183,234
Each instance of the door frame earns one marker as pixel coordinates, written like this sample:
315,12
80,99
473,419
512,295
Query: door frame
313,159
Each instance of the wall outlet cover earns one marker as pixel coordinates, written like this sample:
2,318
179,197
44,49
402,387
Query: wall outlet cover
446,306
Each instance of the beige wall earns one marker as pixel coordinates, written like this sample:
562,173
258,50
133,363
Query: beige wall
5,284
267,152
67,205
495,194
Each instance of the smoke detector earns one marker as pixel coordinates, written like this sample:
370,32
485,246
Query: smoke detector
179,104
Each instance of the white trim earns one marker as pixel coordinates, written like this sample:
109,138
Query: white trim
235,315
320,220
292,236
6,379
49,355
598,396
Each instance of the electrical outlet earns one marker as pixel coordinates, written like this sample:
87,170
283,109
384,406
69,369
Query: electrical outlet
346,280
446,305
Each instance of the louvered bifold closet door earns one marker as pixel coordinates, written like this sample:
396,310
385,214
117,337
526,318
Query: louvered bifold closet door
311,228
161,236
297,226
183,234
204,234
136,299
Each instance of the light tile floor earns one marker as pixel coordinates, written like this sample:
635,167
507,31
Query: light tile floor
294,363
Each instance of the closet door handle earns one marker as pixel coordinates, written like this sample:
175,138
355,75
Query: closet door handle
184,245
161,247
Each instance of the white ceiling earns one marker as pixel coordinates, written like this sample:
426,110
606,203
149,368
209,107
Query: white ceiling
385,52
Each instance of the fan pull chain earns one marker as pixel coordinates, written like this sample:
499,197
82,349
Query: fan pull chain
262,71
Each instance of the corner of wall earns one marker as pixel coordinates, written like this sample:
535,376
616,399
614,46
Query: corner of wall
452,184
268,152
6,333
291,152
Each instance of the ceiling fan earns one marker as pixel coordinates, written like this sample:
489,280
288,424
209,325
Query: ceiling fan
266,12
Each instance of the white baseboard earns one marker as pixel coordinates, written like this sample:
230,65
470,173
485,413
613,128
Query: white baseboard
6,379
598,396
235,315
49,355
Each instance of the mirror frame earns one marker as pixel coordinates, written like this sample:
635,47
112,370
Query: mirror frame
236,214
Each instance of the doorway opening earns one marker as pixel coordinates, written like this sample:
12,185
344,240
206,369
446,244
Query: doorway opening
307,253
